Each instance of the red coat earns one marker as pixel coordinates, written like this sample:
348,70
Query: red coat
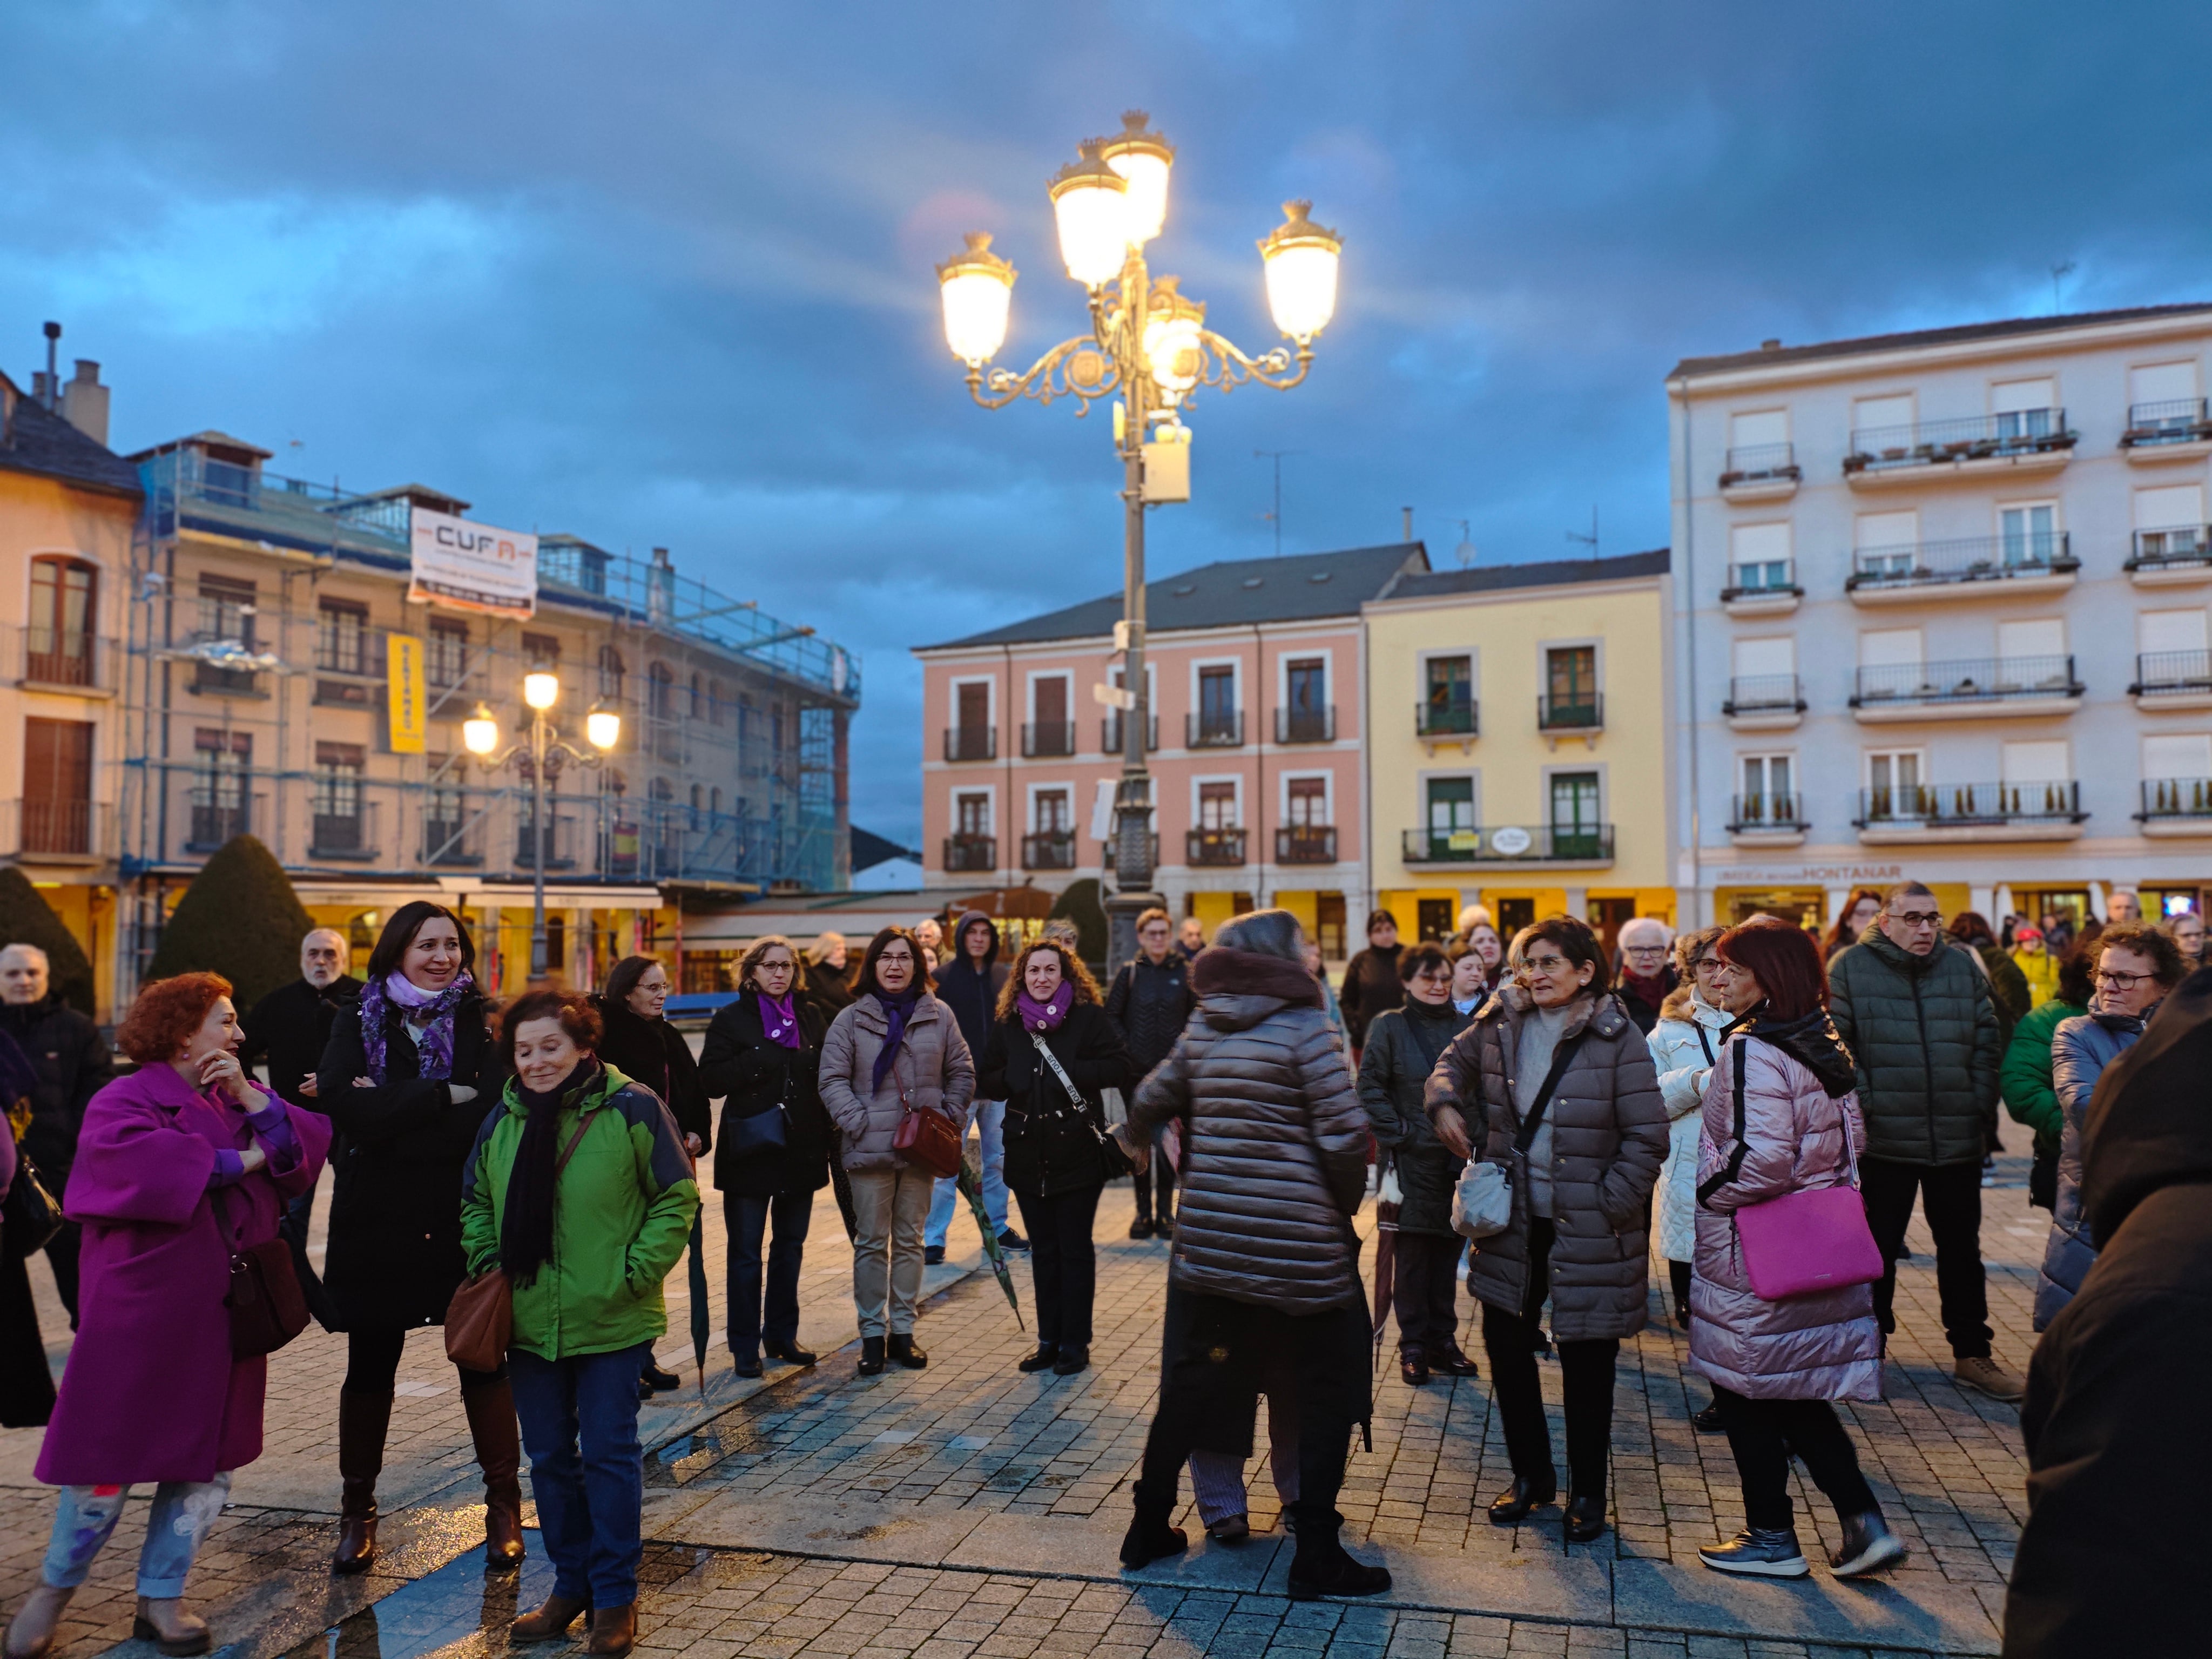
151,1391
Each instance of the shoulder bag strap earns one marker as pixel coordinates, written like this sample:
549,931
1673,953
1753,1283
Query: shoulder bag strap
1560,1058
1734,1167
1703,1042
583,1123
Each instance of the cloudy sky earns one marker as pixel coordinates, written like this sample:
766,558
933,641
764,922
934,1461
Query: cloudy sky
660,273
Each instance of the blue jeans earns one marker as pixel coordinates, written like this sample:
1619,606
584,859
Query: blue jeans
746,1219
590,1506
989,1117
182,1512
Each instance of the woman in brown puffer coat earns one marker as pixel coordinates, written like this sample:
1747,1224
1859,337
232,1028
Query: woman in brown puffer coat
1582,1171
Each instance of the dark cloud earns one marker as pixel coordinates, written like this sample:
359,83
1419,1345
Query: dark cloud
660,273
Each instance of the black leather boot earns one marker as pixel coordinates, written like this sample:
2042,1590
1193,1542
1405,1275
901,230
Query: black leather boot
1150,1538
1321,1565
1585,1518
872,1356
903,1350
362,1420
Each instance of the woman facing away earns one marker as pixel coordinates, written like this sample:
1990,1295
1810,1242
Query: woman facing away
1683,1046
178,1165
409,1073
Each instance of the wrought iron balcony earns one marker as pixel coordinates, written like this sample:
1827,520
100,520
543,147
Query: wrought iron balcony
1220,729
48,828
1582,711
2177,421
1761,578
1305,844
1962,559
2175,798
1510,844
1447,720
1215,847
2169,549
1765,694
1760,464
1048,739
1976,438
971,853
1971,680
71,662
971,743
345,830
1305,724
1112,735
1938,806
1048,849
1752,814
2173,673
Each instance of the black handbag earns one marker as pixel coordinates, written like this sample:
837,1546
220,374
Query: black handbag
763,1132
29,1216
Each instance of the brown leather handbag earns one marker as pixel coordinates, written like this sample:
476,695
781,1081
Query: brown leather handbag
927,1138
267,1308
480,1319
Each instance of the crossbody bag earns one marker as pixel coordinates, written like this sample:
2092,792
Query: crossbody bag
480,1319
1482,1203
1113,1162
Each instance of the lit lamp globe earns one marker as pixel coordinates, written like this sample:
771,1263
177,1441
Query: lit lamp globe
1142,158
1300,258
541,691
977,287
604,727
1172,350
1090,206
480,732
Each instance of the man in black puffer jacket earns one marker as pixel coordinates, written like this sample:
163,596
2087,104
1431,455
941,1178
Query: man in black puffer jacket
1917,1014
1151,1002
65,1048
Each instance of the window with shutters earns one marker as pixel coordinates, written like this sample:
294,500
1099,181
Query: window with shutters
58,648
339,826
57,786
221,793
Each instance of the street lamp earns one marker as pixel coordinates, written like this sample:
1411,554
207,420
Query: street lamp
543,749
1149,348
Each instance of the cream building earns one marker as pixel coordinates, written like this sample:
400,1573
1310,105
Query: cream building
1518,743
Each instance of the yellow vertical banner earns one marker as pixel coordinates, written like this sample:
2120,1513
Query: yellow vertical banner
406,692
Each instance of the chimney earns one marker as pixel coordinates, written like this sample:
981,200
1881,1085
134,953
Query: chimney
84,402
1407,512
41,389
53,387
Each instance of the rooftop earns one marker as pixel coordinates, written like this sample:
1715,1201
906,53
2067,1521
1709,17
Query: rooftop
35,439
1542,573
1231,593
1964,333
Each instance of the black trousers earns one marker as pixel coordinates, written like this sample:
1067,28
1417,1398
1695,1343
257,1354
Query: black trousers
1423,1293
1763,1433
747,1220
1678,1280
373,1364
1162,1180
1951,1195
61,1255
1063,1263
1586,1370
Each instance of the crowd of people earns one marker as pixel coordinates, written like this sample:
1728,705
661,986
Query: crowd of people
1533,1118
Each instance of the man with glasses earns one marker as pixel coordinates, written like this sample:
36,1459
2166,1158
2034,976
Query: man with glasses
1916,1013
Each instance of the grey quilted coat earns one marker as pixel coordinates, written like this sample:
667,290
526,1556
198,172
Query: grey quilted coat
2081,1048
932,1068
1274,1160
1924,1033
1608,1140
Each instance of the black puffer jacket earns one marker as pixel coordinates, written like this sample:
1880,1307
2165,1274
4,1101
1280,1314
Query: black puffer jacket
1403,1046
1151,1003
654,1053
1925,1034
73,1063
1053,1144
1371,986
1274,1160
1608,1140
753,1075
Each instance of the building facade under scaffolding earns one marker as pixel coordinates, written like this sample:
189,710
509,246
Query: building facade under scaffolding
253,692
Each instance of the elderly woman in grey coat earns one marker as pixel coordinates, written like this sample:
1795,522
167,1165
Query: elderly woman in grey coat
1266,1263
1557,1083
895,1048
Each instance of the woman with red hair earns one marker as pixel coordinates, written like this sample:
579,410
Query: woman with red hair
179,1167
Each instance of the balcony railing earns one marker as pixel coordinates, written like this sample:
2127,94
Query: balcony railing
1941,805
1977,438
2177,421
1963,559
1755,813
2159,550
1215,847
1305,844
1765,694
971,853
1305,724
74,662
1048,849
2171,673
57,829
1049,738
1447,720
559,849
1221,730
1759,462
1978,680
971,743
215,822
1584,711
2175,797
1756,578
1111,735
348,833
1510,844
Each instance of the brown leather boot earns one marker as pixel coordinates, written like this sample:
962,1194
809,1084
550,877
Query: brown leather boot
614,1630
362,1419
550,1622
490,1408
31,1633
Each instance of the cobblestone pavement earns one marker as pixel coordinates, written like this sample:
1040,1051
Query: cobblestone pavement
989,1500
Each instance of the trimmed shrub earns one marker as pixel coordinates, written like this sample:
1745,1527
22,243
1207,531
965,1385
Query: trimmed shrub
1079,904
241,919
26,918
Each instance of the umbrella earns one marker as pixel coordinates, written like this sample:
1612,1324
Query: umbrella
970,1183
1386,1264
700,1314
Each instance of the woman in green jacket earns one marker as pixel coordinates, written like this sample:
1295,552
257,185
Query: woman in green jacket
579,1190
2025,1076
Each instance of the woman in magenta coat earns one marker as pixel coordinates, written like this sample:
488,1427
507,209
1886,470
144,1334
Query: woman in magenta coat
178,1165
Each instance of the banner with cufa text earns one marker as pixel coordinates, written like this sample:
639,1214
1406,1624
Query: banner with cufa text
464,566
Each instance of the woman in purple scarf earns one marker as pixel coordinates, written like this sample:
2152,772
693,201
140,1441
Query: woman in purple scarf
1053,1032
763,1055
407,1078
178,1165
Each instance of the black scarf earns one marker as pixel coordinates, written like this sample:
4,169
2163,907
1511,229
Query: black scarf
1811,1040
525,1233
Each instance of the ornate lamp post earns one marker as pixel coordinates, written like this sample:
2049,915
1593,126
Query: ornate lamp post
542,750
1150,350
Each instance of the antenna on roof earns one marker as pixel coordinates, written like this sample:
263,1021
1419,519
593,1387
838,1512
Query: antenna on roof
2059,272
1590,540
1466,553
1276,517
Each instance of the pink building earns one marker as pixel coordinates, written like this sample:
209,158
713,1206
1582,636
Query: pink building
1254,673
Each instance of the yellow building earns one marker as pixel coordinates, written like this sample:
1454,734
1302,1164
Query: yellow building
1518,743
69,506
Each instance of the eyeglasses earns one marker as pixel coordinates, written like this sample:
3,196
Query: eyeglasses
2121,982
1643,949
1919,918
1544,964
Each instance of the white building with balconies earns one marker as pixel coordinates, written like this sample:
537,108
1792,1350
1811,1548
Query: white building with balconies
1940,610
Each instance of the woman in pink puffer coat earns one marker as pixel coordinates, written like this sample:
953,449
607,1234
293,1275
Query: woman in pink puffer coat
1777,1110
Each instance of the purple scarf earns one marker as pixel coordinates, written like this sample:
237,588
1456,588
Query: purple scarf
433,1010
897,1010
1045,1016
778,1021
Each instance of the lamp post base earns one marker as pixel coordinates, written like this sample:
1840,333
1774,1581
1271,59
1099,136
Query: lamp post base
1122,910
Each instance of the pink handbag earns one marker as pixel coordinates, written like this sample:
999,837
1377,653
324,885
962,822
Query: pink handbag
1805,1242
